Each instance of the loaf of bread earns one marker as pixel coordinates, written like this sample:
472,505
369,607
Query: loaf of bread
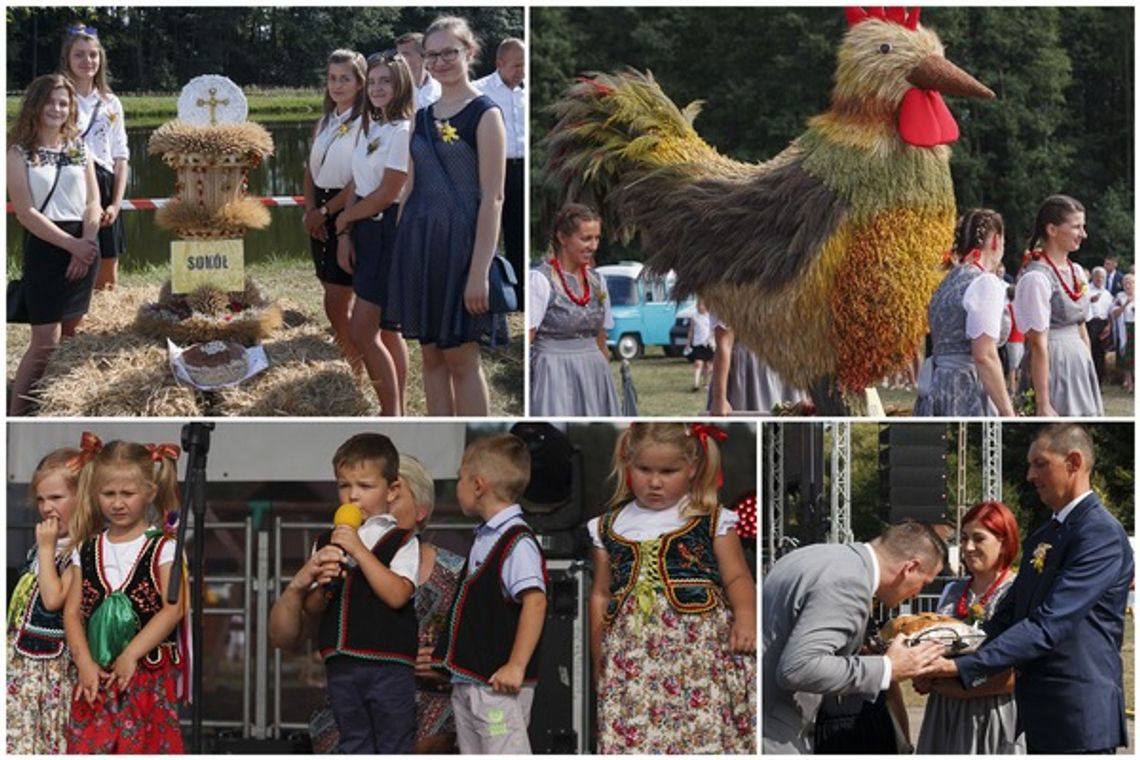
958,637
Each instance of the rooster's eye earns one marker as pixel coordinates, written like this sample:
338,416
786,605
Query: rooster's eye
885,48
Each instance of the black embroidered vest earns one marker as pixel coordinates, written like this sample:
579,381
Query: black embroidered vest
143,588
481,632
39,632
359,624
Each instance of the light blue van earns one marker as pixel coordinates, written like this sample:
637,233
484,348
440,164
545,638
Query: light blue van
643,309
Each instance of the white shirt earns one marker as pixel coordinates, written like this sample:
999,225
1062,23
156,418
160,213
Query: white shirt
984,301
512,101
1101,307
538,296
330,158
427,93
406,562
107,138
1031,298
384,146
636,523
1068,508
886,682
1129,313
119,558
702,329
68,203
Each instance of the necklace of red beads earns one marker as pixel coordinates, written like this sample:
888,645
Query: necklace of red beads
1078,288
963,608
581,300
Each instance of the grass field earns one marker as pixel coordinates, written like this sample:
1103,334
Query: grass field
152,109
302,354
664,389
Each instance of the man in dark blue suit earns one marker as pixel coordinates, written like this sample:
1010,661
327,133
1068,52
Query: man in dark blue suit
1062,624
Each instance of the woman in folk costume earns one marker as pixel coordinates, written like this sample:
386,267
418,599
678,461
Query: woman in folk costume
1051,305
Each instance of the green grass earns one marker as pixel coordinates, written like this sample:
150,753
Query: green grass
152,109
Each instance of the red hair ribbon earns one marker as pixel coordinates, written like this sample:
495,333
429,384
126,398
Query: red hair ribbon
159,451
89,447
703,432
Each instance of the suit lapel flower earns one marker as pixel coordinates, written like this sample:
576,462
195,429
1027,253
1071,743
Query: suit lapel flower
1039,553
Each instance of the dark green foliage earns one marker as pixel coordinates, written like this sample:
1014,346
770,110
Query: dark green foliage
1062,121
159,49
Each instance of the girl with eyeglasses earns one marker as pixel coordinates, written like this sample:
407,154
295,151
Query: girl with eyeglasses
366,228
327,174
101,123
438,286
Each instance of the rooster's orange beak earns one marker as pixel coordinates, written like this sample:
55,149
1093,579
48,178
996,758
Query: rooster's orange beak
936,73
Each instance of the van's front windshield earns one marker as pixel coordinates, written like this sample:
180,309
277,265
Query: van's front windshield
623,290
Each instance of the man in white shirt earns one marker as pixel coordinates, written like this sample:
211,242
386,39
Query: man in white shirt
505,87
411,46
1100,304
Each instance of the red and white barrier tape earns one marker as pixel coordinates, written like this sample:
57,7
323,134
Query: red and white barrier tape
150,204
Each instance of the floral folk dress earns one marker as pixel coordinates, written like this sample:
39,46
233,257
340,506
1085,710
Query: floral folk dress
670,682
41,677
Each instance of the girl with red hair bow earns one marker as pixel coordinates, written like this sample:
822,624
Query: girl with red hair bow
673,606
125,637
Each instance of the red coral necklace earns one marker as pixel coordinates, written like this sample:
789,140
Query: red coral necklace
963,608
1078,289
581,300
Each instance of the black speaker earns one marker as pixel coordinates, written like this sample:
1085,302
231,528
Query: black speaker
912,471
563,702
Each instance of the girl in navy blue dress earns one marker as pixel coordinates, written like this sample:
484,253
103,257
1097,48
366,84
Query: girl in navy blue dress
438,289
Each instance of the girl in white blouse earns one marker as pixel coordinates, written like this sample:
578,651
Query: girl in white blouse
366,228
51,181
1051,305
101,124
327,174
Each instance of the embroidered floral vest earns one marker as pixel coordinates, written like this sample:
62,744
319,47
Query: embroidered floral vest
143,588
39,632
681,563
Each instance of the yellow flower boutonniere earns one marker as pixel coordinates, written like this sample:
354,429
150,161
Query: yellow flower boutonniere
1039,553
342,130
447,133
372,146
75,154
601,296
112,116
977,613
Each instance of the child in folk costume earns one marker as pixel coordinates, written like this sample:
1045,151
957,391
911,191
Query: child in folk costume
40,675
122,631
673,605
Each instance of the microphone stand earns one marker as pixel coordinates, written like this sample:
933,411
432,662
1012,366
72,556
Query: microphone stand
196,444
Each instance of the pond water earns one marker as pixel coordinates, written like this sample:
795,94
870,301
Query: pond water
280,174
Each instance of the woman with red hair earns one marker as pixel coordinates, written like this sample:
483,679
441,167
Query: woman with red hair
982,720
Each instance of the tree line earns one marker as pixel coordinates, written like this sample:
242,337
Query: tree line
156,49
1062,120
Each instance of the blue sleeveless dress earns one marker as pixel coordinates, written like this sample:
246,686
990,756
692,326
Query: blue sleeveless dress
436,234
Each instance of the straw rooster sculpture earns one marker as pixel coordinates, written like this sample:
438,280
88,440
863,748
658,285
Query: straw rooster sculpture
822,259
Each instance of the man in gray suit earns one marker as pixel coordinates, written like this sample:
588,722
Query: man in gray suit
817,602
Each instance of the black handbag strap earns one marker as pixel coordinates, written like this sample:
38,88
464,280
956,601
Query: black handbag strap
51,190
94,116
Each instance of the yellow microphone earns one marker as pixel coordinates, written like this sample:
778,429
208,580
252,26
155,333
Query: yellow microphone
353,516
349,514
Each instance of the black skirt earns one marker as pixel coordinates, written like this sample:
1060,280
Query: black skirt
373,242
50,296
113,239
324,253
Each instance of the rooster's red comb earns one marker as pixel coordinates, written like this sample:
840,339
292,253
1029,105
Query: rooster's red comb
893,14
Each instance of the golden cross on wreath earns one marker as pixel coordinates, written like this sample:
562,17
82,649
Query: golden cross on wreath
212,104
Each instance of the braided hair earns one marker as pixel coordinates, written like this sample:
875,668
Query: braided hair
973,228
